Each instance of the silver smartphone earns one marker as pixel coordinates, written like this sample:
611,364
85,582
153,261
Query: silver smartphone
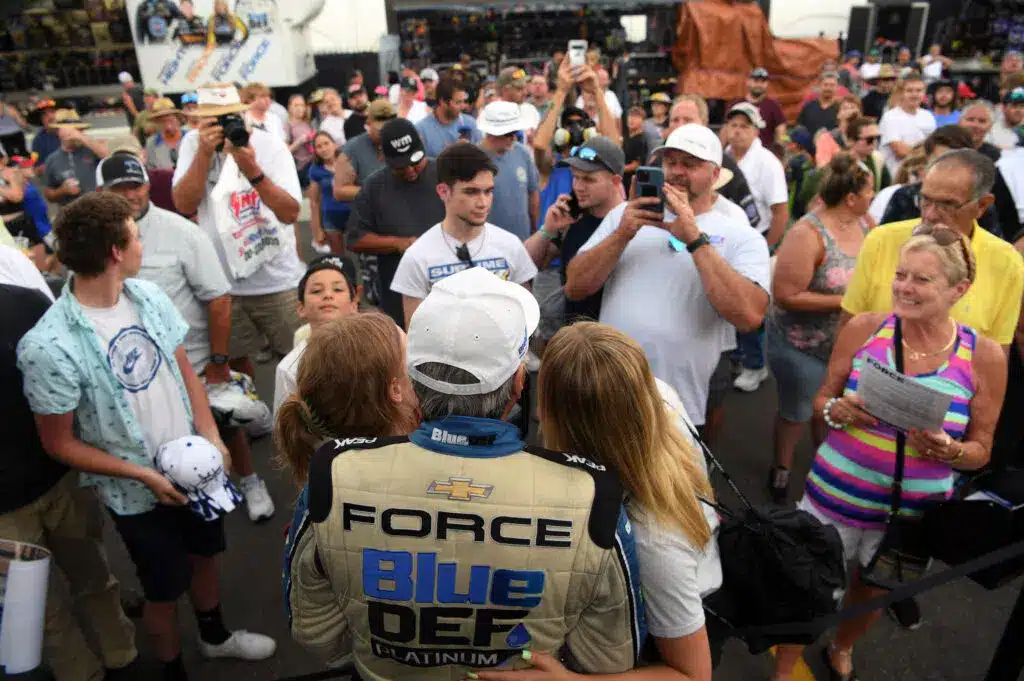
577,52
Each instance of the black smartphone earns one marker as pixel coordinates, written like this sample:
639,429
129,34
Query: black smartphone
574,206
649,181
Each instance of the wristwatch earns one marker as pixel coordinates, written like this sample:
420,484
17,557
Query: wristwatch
219,360
702,240
256,180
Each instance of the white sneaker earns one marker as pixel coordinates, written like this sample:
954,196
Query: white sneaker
243,645
257,500
750,380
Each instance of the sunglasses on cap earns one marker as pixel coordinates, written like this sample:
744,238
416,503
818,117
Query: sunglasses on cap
944,236
588,154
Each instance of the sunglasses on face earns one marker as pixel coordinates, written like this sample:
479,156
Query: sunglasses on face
871,139
944,236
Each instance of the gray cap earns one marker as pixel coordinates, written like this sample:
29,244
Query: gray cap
597,153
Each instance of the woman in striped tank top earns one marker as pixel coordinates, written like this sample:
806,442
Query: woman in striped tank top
850,482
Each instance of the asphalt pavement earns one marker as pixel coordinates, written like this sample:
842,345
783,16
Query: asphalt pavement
962,621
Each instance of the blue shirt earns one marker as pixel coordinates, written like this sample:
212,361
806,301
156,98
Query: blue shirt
951,118
328,204
437,136
66,370
35,206
44,144
517,177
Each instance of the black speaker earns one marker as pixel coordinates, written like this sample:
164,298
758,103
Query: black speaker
861,29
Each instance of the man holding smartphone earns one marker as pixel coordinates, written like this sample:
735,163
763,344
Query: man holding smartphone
669,297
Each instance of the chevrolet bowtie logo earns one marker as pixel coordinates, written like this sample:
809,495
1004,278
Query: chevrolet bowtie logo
460,489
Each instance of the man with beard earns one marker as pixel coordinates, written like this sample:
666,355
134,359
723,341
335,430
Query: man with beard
394,207
712,270
945,103
447,124
71,170
771,110
1004,133
464,238
821,113
358,102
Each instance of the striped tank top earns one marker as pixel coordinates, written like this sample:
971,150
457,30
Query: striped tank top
852,473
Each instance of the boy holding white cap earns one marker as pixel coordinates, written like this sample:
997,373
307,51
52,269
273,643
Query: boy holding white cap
680,282
548,525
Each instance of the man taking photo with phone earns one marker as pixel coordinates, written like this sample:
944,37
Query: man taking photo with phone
597,188
687,277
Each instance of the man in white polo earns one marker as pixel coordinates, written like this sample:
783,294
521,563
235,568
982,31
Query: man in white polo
680,283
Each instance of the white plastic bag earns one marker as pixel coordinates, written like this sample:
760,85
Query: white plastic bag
248,230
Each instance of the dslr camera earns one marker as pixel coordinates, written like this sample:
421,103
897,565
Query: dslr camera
234,129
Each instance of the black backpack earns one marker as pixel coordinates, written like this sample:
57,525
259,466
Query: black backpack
780,565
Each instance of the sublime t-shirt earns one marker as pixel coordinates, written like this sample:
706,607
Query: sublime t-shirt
138,366
432,258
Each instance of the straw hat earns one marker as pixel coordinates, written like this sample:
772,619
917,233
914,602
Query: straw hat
164,107
218,99
316,96
68,118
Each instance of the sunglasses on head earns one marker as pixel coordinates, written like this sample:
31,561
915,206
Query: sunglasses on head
944,236
587,154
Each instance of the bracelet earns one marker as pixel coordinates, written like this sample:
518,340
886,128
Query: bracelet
546,234
959,455
827,413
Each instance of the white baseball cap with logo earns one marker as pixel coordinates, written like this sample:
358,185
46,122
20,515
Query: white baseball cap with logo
196,468
476,321
696,140
500,118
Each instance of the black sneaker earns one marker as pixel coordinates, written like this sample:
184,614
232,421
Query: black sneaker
906,613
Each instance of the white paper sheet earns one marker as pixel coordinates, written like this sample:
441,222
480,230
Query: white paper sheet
899,400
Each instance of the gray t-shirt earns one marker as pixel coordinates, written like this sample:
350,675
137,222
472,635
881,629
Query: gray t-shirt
390,206
79,164
437,136
179,257
364,156
517,177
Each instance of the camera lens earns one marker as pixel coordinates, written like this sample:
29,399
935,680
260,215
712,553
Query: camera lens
642,176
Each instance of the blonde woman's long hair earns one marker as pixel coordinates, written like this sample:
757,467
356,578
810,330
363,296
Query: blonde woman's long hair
598,399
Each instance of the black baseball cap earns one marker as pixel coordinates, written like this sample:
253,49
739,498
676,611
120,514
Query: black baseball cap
120,168
330,262
597,153
401,143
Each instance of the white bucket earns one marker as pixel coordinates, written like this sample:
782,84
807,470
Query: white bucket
24,571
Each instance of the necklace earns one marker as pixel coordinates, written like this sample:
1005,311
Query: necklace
461,251
915,355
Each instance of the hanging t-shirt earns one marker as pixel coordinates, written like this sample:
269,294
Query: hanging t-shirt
899,126
138,366
432,258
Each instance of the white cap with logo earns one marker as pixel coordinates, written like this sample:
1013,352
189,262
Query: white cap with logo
196,467
696,140
476,321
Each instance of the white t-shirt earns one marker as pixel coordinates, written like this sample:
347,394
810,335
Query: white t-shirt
1002,135
1011,167
899,126
729,210
655,295
675,574
417,112
17,270
432,258
286,375
276,162
767,180
335,127
149,384
611,99
932,70
270,123
869,71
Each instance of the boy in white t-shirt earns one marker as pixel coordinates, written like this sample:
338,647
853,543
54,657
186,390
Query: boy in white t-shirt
464,239
328,290
905,125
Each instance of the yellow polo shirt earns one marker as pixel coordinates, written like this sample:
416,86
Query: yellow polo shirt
992,303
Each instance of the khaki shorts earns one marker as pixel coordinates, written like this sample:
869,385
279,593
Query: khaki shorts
255,320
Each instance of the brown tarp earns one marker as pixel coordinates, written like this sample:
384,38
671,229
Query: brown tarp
719,42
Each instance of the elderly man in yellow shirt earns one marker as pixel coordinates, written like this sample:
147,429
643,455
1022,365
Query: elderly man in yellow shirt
956,191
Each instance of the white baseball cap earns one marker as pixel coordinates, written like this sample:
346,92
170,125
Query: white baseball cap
696,140
429,74
196,467
476,321
750,111
124,77
500,118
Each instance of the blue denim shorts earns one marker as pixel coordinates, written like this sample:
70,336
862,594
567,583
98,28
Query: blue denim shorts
798,376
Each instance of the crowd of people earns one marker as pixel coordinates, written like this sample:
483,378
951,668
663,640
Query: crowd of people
485,244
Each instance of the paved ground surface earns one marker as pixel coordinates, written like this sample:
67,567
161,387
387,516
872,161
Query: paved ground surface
962,621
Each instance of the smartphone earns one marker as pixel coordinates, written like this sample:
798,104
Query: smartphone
577,53
649,181
574,206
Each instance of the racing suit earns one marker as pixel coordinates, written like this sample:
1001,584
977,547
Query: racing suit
456,548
